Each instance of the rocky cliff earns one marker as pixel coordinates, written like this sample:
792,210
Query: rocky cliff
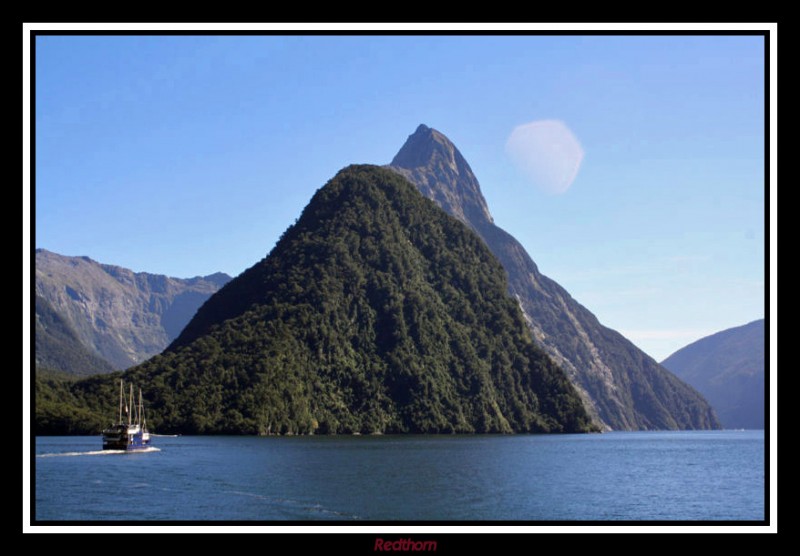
120,315
621,385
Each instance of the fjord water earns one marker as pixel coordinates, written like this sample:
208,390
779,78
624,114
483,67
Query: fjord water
703,475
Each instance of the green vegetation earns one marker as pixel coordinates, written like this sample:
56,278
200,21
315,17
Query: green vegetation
624,388
376,312
58,346
59,411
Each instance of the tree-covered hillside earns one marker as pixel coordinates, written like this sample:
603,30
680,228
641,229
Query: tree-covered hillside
376,312
622,387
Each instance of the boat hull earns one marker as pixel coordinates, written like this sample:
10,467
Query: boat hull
122,437
129,446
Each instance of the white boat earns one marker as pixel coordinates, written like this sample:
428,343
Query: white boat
130,434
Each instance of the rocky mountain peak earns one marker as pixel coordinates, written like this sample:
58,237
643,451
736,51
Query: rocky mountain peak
622,387
432,162
424,146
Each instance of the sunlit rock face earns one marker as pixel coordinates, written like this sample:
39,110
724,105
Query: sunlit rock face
622,387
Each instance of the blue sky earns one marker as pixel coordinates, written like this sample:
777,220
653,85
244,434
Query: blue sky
191,155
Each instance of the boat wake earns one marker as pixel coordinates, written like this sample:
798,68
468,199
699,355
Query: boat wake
97,453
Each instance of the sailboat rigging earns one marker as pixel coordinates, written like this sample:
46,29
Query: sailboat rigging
128,434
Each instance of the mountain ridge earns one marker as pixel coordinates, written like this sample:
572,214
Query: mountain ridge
376,312
622,386
119,315
729,368
57,346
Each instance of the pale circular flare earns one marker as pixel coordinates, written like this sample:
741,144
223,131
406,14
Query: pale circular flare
547,152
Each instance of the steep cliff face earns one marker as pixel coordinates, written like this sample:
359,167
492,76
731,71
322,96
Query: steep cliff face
729,369
432,163
621,385
120,315
59,348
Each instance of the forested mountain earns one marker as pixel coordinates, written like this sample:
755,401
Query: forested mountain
622,386
375,313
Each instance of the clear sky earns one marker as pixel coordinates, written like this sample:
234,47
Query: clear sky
191,155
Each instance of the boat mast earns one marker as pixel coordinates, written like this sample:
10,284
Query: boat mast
130,414
139,413
120,401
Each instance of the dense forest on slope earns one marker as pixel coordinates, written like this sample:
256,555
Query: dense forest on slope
375,313
60,411
622,386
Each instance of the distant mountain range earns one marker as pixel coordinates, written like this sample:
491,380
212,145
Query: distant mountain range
58,346
88,313
622,386
728,368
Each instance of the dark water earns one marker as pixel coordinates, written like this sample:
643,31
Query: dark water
615,476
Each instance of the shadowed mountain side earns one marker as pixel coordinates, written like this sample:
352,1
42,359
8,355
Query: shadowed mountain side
729,369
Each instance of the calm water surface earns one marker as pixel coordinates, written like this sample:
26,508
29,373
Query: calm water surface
715,475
